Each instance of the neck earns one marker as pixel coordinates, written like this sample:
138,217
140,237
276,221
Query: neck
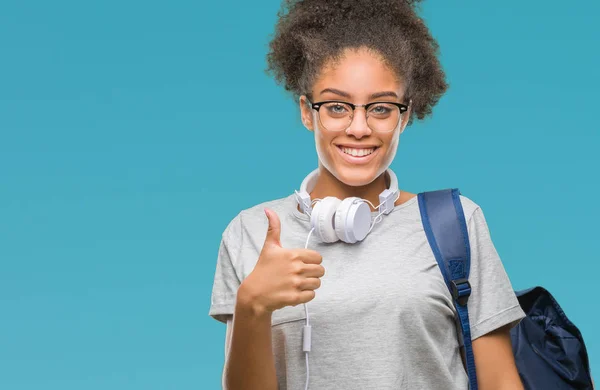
329,185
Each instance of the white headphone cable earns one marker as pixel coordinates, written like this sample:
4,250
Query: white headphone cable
306,334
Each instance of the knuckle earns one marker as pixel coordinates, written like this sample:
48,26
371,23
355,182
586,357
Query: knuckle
296,282
296,298
297,268
295,256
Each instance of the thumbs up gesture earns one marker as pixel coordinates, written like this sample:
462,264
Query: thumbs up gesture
282,277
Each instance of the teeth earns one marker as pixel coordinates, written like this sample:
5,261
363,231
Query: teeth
358,152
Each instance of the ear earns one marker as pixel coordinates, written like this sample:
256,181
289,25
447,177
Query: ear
306,113
406,117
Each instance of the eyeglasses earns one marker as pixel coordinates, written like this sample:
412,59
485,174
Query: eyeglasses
336,115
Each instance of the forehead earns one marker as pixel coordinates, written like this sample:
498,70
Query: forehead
360,73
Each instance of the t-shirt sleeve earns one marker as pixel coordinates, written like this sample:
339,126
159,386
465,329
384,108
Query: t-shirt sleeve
493,302
226,281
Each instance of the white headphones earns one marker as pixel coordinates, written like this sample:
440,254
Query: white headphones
348,220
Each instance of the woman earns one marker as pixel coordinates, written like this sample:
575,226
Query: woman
380,313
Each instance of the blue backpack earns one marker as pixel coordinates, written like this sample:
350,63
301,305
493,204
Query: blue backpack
548,348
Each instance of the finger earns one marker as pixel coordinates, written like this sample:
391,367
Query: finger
305,296
312,271
309,256
310,284
274,230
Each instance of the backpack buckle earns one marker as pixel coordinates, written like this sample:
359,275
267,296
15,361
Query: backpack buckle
461,290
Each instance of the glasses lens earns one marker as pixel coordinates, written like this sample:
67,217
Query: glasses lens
335,116
383,117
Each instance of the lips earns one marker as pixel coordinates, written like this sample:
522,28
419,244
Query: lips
357,155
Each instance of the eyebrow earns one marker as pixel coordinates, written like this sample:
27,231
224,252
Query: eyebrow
373,96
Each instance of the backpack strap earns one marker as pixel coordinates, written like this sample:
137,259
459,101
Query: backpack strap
446,230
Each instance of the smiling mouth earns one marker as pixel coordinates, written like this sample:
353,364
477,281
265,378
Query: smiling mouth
356,152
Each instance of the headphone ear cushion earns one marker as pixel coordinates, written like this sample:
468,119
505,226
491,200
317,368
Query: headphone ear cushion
340,218
322,216
352,220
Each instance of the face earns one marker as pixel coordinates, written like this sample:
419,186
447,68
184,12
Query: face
358,155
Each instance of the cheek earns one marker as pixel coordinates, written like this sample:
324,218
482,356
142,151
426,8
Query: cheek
391,147
325,151
393,141
322,143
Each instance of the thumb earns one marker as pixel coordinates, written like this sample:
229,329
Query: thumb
274,230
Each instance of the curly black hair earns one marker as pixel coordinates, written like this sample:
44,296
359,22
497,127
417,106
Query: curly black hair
310,32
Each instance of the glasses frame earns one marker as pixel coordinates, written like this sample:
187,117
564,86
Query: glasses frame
316,106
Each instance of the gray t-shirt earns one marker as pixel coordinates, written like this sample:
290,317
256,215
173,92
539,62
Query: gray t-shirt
383,317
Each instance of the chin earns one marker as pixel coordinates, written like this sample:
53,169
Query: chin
356,176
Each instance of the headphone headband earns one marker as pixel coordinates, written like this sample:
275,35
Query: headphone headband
386,198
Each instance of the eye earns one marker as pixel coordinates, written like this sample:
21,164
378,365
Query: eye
337,109
382,109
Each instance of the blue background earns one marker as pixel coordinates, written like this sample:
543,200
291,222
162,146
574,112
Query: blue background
132,132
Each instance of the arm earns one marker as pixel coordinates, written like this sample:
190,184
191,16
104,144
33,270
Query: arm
493,309
495,362
281,277
227,344
249,361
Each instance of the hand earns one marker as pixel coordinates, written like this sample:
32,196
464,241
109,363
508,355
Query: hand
282,277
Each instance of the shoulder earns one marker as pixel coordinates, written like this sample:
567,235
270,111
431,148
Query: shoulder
253,217
469,206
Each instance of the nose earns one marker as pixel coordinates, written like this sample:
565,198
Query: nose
359,127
